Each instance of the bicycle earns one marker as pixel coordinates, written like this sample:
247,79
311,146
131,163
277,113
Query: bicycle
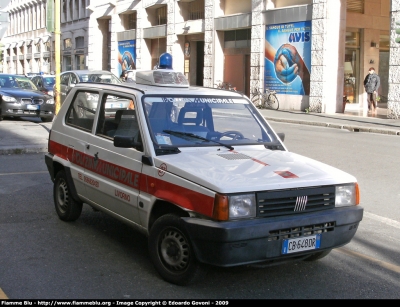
265,100
225,86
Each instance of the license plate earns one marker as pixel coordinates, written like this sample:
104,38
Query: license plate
114,105
301,244
32,107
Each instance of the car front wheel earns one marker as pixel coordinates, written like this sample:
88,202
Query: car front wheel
66,207
171,251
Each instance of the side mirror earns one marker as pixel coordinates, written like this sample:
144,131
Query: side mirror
281,136
127,142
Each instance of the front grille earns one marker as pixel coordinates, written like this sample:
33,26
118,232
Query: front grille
294,201
235,156
301,231
32,101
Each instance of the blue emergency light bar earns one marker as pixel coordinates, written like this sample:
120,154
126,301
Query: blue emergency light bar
165,61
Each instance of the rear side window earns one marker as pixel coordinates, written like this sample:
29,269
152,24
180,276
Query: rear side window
81,112
117,116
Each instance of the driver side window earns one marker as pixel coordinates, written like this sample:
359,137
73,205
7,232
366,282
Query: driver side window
82,110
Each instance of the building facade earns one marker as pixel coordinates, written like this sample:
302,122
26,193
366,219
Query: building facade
312,52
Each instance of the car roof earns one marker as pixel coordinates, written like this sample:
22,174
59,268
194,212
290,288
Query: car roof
13,75
83,72
150,89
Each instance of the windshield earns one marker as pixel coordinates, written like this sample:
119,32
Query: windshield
49,81
205,121
99,77
17,82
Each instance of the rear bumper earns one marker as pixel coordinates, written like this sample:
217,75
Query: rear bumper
251,241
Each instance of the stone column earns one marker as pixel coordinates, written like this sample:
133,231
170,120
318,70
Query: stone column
95,45
208,43
171,36
115,27
139,37
257,46
327,51
393,106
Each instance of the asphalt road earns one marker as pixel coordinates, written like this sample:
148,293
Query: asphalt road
97,257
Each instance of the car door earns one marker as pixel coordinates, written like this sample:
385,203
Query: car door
117,170
64,86
76,139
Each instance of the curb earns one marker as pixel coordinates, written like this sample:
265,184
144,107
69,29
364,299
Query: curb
23,150
337,126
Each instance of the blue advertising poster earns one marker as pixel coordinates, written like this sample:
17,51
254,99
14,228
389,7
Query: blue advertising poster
288,58
126,55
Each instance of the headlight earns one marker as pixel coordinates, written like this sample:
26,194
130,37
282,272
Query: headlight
9,98
51,93
234,207
50,101
347,195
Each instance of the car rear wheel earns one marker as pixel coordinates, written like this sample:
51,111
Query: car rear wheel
317,256
171,251
66,207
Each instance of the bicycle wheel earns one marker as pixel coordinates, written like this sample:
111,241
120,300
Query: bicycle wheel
273,102
255,99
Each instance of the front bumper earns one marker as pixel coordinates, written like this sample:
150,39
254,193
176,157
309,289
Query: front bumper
24,110
251,241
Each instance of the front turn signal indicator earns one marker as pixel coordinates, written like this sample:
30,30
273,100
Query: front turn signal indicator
221,207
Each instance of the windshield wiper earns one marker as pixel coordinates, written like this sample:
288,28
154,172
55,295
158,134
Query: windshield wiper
195,136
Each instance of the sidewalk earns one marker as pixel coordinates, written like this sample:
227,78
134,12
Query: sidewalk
350,120
30,135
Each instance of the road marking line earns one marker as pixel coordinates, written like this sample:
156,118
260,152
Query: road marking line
24,173
383,264
3,296
382,219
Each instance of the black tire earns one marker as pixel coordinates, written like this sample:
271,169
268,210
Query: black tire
66,207
273,102
171,251
317,256
46,119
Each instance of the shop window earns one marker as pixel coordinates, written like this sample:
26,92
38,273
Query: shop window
47,46
196,10
355,6
131,21
237,38
79,42
352,66
71,12
64,10
76,8
67,43
161,14
384,42
68,63
80,62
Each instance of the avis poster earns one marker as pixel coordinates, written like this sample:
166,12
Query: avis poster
126,55
288,58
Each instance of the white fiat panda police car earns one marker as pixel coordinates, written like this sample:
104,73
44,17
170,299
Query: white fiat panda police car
214,184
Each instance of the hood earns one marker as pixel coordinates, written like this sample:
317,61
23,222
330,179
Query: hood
22,93
249,168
